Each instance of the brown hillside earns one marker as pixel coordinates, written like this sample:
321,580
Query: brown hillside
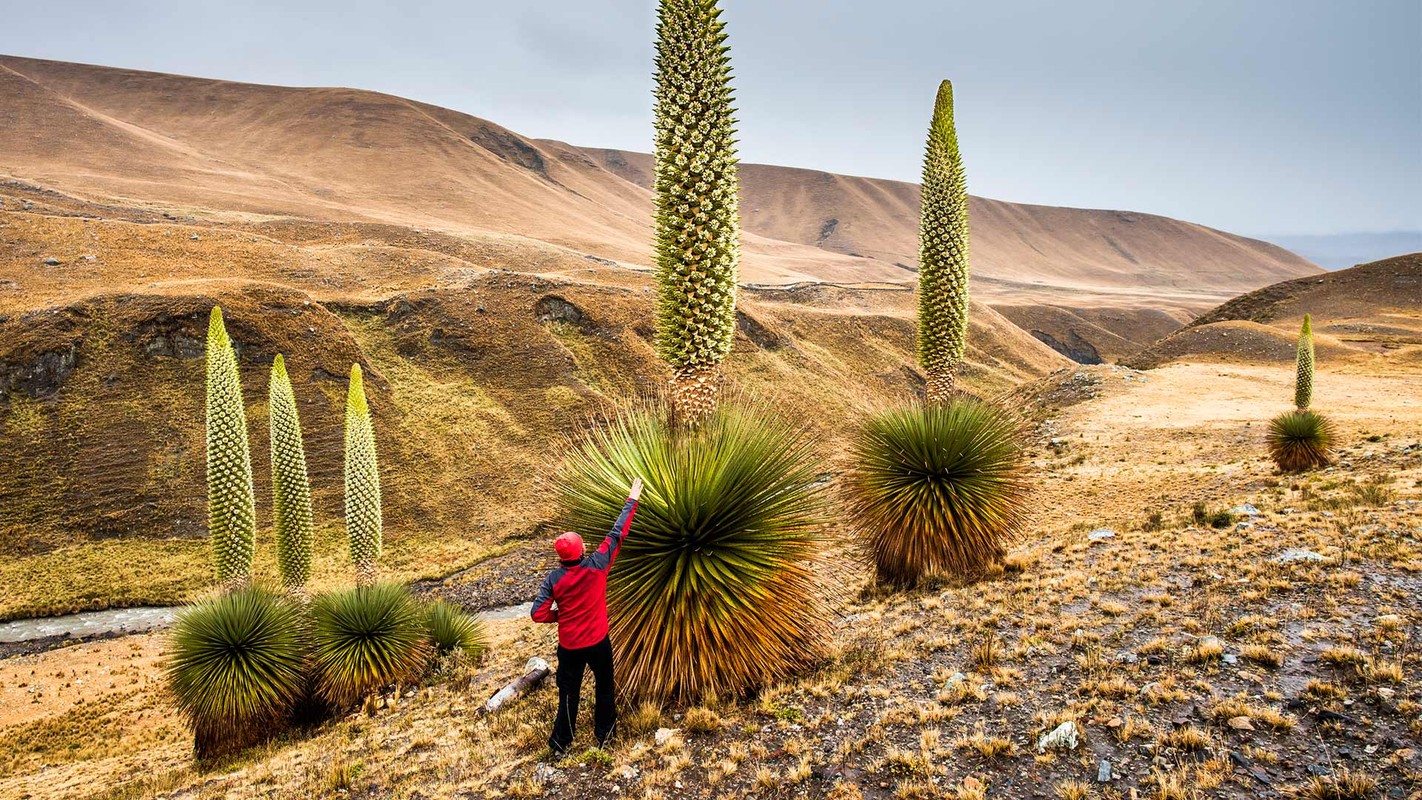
1371,313
483,355
218,148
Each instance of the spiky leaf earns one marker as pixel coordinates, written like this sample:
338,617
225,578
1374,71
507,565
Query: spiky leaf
450,628
237,668
1300,440
714,591
943,253
1303,366
291,488
231,512
363,516
939,489
696,194
365,639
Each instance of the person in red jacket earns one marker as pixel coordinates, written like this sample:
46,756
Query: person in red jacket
575,597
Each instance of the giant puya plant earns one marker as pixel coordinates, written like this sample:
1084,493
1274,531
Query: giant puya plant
238,661
363,514
231,511
243,662
939,488
291,488
1301,439
697,202
714,592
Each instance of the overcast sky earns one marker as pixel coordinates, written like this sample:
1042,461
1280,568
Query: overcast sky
1256,116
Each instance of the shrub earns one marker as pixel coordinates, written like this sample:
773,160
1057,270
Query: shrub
943,253
1300,440
452,629
937,489
231,512
697,202
363,518
365,639
291,488
714,591
237,669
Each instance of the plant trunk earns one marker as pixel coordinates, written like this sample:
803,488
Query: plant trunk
236,583
538,669
693,394
365,574
940,387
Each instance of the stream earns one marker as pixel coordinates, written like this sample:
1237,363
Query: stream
124,621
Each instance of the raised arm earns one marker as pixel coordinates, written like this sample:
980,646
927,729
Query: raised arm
606,553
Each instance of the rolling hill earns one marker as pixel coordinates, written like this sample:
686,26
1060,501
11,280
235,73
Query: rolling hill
1370,315
223,150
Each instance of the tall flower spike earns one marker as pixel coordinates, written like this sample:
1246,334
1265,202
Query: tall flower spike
943,254
697,202
231,512
1303,366
362,483
291,488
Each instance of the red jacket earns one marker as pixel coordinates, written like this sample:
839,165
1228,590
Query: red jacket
579,590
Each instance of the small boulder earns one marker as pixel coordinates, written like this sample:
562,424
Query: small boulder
1296,554
664,735
1064,737
1101,535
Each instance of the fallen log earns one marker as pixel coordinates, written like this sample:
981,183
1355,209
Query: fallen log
536,671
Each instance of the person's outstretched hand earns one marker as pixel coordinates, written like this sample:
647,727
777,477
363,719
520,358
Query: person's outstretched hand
636,493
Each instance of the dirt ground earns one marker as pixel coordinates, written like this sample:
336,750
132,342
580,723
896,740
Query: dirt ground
1192,662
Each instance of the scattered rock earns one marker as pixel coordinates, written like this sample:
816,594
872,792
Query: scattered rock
1241,723
1101,535
545,773
1103,771
1246,510
1063,738
553,308
51,261
664,735
1295,554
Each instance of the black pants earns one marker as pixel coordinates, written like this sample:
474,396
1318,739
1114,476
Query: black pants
571,664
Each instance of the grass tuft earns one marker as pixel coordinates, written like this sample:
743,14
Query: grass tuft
365,639
939,490
1300,440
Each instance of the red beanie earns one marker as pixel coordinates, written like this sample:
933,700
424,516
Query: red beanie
569,546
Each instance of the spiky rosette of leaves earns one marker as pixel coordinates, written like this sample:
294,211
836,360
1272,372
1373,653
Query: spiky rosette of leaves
291,487
1303,366
363,516
231,511
938,490
942,253
1300,441
714,591
365,639
697,201
450,628
237,668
